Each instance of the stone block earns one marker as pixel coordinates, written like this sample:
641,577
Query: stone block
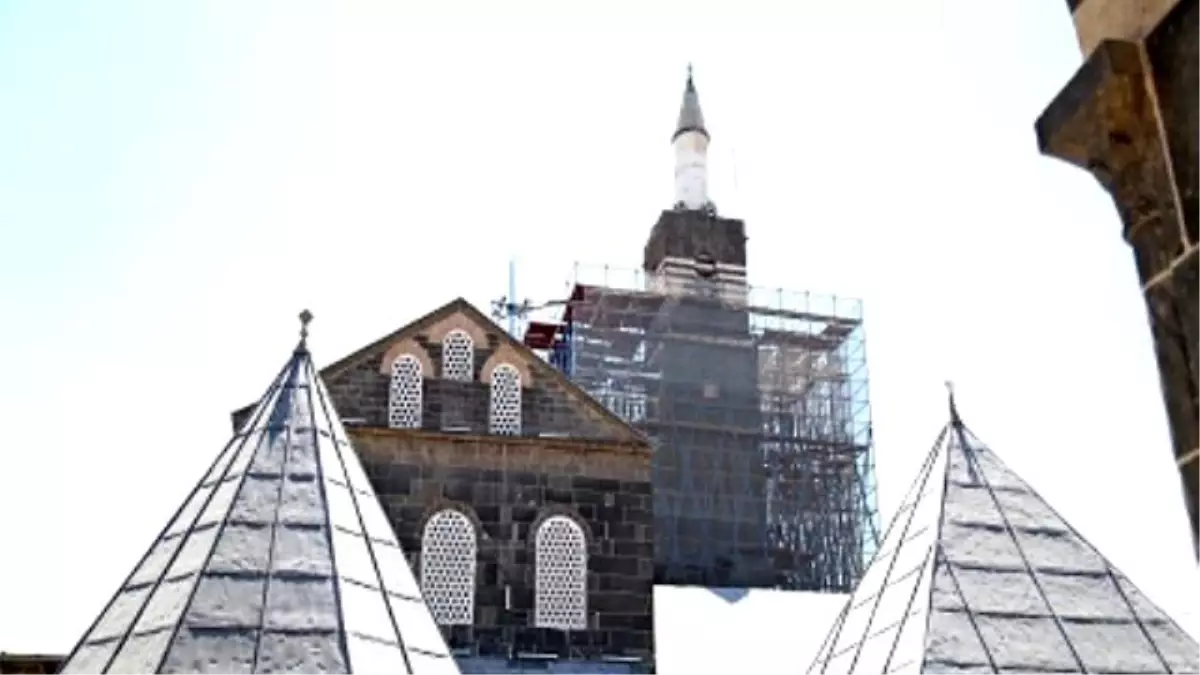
1131,20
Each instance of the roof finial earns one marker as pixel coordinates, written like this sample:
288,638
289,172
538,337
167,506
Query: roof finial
306,318
954,419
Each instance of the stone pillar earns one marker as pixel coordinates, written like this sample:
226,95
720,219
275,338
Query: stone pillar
1129,116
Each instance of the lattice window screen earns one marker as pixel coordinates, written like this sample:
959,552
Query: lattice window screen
560,576
405,393
458,356
504,413
448,552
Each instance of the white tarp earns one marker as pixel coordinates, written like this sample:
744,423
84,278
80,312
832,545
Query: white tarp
726,630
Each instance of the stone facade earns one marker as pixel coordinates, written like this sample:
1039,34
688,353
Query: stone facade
550,404
572,458
506,486
361,391
1129,116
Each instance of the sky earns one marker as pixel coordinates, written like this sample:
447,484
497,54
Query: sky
178,180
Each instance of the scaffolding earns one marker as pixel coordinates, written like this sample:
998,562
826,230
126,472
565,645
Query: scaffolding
756,401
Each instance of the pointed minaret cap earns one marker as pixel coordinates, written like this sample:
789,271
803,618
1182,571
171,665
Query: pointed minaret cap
690,117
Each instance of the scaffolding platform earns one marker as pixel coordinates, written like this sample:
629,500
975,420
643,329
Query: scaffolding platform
757,401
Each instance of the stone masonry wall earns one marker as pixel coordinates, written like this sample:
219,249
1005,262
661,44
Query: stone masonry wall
688,234
1129,117
506,486
360,394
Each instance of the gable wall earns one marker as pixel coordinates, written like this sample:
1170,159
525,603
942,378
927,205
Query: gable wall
360,393
359,388
506,486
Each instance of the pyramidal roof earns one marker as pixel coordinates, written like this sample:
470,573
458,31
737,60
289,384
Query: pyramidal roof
978,574
280,560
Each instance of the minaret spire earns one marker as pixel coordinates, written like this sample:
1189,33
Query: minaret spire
691,152
690,116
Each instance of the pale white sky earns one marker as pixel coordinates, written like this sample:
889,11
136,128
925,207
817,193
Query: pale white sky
178,180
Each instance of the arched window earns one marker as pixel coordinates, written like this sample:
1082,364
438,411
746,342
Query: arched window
504,412
458,356
405,393
448,552
560,575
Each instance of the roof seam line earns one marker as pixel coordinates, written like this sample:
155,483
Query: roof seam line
924,480
887,662
288,371
954,423
969,455
229,448
831,638
354,498
312,373
1137,619
966,607
1109,567
1110,572
283,478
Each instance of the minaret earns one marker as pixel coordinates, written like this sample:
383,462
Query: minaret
691,248
691,153
710,513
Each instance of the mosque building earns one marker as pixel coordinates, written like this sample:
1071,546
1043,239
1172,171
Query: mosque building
453,497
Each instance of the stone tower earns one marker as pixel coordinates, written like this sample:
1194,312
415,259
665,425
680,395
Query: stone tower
1129,117
708,476
757,411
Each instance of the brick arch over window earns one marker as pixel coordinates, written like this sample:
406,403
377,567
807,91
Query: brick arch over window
560,574
457,321
449,553
504,403
411,348
458,356
506,355
406,393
